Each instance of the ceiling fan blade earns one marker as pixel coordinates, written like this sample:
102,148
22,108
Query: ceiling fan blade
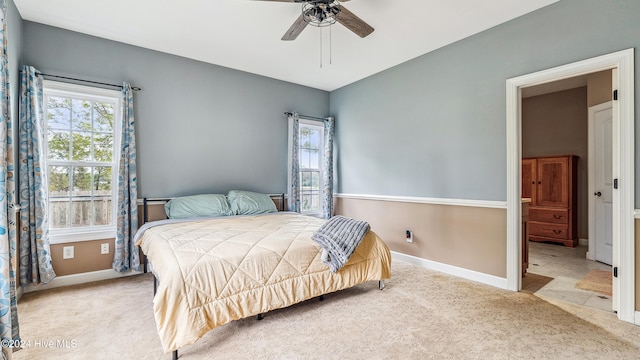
354,23
295,29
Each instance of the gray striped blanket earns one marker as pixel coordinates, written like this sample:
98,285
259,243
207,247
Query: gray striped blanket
339,237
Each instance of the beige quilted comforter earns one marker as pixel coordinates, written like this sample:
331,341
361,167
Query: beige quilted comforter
213,271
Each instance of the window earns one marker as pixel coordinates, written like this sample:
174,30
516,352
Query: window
311,138
83,128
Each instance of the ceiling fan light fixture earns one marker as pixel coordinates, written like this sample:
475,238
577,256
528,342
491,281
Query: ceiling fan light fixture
321,13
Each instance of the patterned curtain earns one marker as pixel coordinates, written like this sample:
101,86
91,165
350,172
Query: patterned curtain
126,256
8,305
294,164
327,176
35,256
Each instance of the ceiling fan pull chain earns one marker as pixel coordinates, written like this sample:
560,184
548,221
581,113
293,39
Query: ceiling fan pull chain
320,47
330,46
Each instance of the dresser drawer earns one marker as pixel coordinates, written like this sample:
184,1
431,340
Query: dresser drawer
556,231
558,216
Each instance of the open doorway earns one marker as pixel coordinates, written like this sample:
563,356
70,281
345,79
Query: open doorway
623,169
557,155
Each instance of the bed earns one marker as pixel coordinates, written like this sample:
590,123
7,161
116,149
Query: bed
213,270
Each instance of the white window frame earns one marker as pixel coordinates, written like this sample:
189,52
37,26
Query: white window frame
54,88
320,126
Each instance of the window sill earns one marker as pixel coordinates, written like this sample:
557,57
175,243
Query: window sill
60,237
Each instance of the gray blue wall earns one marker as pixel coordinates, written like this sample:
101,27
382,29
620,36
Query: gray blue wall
435,126
200,127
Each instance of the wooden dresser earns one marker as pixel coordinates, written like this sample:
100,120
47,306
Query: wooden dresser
550,183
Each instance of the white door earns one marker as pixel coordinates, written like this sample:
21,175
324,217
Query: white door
601,224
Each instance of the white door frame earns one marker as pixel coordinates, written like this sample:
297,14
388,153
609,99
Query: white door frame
623,168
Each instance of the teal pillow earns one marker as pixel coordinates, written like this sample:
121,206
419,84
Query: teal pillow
198,206
248,203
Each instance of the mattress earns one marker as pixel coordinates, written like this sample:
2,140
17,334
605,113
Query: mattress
216,270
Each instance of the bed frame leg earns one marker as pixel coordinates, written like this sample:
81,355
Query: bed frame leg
381,284
321,297
260,317
175,355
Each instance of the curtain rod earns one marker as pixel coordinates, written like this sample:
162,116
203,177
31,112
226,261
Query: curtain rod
134,88
306,117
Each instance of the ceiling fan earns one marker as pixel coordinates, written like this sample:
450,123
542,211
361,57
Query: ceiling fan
323,13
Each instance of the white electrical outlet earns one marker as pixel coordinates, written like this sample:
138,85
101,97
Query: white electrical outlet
104,248
409,236
67,252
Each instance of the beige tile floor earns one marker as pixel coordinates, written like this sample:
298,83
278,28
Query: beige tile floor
566,266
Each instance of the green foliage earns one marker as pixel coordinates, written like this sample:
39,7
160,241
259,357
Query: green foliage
80,130
58,179
309,138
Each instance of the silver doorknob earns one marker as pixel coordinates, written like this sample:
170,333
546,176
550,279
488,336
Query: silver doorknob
598,194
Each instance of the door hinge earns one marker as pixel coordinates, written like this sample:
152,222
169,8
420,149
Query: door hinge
615,271
615,183
615,94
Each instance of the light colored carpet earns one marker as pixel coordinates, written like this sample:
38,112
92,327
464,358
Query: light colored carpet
421,314
599,281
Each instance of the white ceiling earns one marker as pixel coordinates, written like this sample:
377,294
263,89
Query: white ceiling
245,34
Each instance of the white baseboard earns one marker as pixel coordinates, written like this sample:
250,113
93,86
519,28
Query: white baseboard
82,278
583,242
636,319
452,270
